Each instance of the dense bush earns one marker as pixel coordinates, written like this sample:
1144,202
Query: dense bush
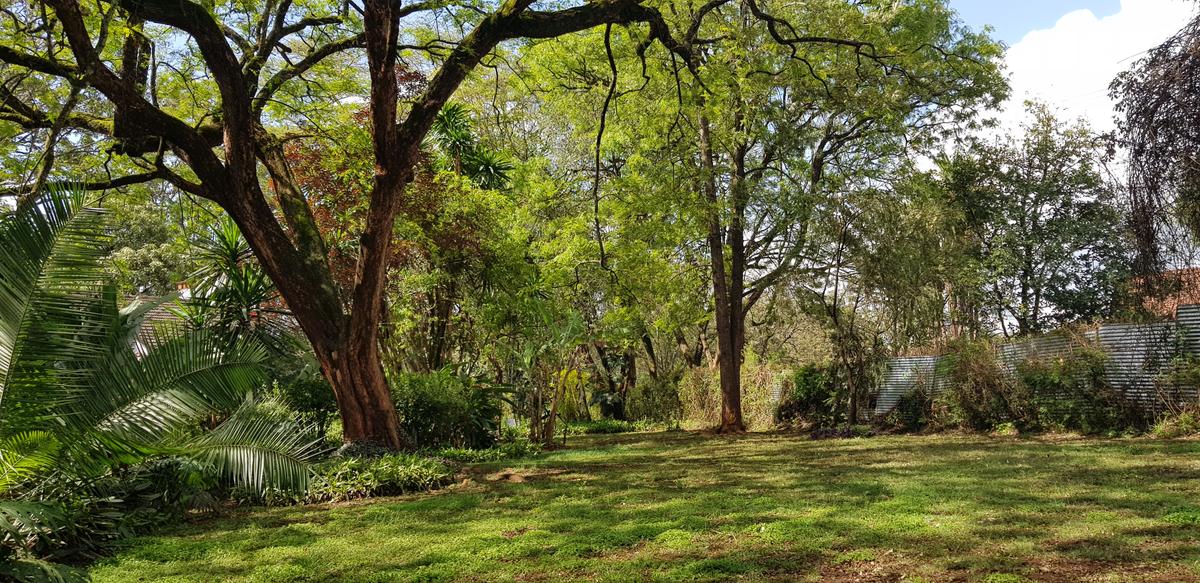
914,411
507,450
446,409
1178,382
700,394
297,382
352,478
979,393
66,519
1064,392
656,400
809,400
1069,393
389,475
609,426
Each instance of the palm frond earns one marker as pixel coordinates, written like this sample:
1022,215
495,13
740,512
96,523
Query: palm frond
31,523
49,270
453,130
256,451
24,454
30,570
221,250
184,378
133,316
487,168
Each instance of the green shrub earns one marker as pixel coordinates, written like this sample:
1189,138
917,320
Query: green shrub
656,400
810,398
609,426
1178,424
1177,384
979,394
514,449
353,478
1184,371
305,391
389,475
913,411
88,515
446,409
1069,392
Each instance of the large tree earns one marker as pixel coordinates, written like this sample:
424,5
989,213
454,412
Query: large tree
106,60
1046,229
778,123
1158,102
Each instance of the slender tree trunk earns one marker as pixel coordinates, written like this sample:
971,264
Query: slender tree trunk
628,382
728,347
439,325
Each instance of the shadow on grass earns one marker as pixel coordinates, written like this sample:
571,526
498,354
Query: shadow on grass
682,506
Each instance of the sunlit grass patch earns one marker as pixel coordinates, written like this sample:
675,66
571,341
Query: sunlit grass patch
688,507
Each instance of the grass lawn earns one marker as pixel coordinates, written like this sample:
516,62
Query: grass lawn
687,507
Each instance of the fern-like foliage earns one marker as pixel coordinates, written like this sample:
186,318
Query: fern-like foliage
84,387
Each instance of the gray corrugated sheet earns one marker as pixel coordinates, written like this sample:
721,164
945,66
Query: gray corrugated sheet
1138,355
901,378
1188,317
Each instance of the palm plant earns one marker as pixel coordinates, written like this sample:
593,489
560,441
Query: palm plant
85,387
231,294
454,134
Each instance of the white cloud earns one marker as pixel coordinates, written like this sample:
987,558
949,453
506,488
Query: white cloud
1071,65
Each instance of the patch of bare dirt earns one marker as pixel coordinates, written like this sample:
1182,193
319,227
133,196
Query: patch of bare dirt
514,533
1070,571
886,567
522,474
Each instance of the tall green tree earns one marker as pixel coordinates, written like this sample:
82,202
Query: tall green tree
774,125
1045,223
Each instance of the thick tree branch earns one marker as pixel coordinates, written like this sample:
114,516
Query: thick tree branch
40,64
312,59
144,116
118,182
222,63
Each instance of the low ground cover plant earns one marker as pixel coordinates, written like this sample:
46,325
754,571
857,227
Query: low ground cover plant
610,426
1184,422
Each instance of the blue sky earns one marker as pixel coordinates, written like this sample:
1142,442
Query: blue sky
1066,52
1013,18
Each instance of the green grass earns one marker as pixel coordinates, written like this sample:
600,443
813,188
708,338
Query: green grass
686,507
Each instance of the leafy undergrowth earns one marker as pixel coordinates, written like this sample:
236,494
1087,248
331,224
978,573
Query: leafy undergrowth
517,449
685,507
610,426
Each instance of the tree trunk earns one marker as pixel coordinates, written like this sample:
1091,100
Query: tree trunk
346,347
731,384
728,348
363,398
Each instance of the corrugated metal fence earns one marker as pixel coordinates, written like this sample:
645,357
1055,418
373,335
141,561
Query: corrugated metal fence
1138,355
